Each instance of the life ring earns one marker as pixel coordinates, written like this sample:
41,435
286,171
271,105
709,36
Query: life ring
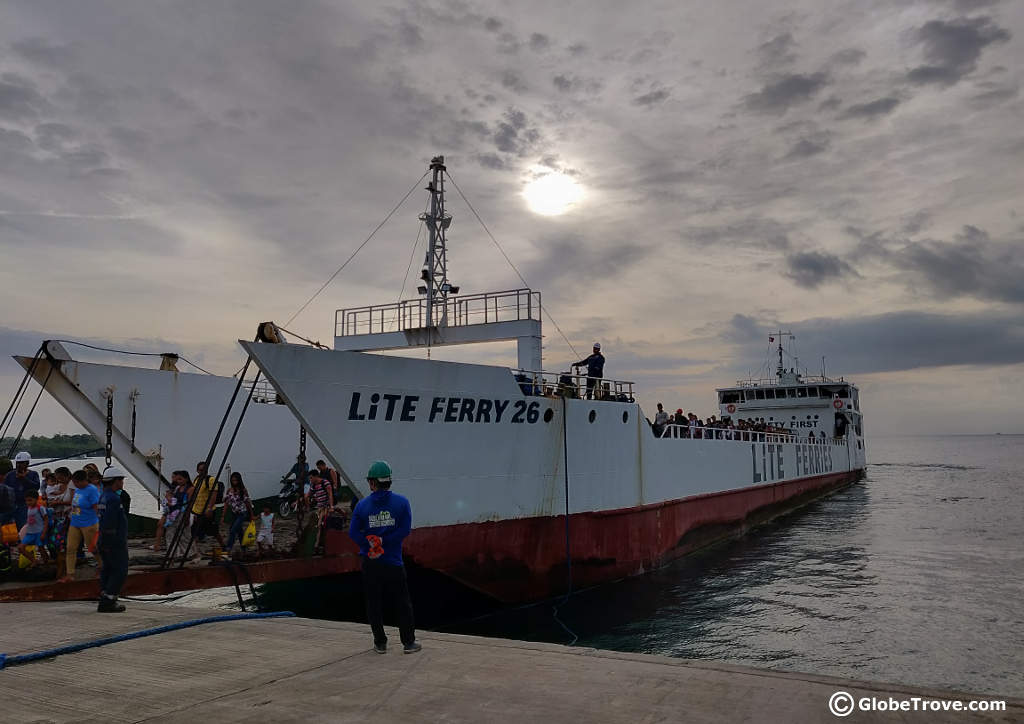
837,403
730,409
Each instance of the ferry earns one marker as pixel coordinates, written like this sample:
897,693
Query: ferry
522,488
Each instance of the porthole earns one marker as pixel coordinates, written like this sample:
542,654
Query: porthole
815,417
548,414
592,416
625,415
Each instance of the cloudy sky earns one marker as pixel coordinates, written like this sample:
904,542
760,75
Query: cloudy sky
175,172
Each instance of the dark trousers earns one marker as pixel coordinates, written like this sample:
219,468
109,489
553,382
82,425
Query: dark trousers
386,583
237,529
591,383
114,571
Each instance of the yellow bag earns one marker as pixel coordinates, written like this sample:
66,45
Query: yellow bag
249,537
9,533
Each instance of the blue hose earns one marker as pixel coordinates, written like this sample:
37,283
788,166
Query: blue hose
6,660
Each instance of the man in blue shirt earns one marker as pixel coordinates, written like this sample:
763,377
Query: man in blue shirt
380,522
21,480
113,542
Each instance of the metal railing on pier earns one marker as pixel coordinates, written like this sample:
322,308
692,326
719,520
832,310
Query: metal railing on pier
455,311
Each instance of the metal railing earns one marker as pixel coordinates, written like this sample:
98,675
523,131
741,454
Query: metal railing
456,311
567,384
264,394
683,432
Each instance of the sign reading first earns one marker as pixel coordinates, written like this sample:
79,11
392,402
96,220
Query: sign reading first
408,408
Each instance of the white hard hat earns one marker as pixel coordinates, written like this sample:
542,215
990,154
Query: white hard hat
23,457
597,345
113,472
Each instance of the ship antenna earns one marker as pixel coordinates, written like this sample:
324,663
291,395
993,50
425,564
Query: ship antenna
781,368
435,268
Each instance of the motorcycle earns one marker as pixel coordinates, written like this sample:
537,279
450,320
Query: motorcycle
289,498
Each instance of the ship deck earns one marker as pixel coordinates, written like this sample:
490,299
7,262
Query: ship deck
146,577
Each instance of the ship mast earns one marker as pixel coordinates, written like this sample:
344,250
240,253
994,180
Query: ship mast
781,370
435,266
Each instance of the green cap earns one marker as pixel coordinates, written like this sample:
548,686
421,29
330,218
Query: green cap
380,470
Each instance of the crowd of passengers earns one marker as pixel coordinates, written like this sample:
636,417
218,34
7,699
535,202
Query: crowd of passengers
724,428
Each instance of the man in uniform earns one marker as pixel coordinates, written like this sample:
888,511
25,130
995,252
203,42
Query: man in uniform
380,522
595,368
113,542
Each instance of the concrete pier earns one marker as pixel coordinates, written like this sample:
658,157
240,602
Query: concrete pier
302,670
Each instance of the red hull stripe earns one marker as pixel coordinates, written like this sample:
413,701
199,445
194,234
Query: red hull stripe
524,559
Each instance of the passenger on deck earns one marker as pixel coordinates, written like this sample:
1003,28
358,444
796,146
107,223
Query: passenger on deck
660,420
330,475
37,524
321,500
265,536
84,521
237,499
204,504
21,480
595,368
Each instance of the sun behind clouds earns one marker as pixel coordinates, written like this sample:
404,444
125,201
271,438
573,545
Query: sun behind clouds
552,194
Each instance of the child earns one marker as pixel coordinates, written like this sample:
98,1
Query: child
34,531
266,534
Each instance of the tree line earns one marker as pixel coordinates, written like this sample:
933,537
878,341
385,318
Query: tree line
51,446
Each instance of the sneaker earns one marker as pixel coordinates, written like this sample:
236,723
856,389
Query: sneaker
411,648
109,605
380,649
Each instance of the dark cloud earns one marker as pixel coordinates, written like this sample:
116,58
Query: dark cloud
19,99
569,83
848,56
582,261
492,25
52,136
811,269
539,42
952,49
971,265
492,161
514,134
806,147
993,94
758,233
871,110
778,51
786,91
578,49
513,81
649,100
42,52
893,342
831,103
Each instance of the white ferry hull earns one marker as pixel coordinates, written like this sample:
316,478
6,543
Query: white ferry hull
485,469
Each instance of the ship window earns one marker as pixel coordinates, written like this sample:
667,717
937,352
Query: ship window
801,392
812,391
759,394
790,392
592,416
769,394
844,392
625,416
727,397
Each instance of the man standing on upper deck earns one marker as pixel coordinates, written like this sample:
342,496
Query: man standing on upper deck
595,368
